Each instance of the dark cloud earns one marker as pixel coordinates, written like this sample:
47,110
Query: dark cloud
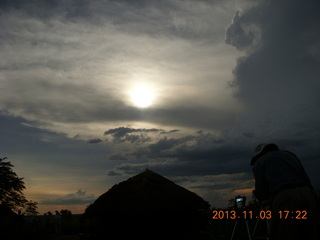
118,156
220,181
126,15
123,131
95,140
113,173
279,74
199,154
244,31
171,131
128,169
248,134
167,144
124,134
190,115
189,147
203,154
277,78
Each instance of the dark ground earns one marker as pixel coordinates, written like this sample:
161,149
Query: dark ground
75,227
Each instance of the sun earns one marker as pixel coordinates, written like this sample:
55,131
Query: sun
142,96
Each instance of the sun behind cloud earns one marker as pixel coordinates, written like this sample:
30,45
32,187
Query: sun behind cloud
142,96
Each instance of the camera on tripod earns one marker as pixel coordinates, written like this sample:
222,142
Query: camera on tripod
240,201
240,205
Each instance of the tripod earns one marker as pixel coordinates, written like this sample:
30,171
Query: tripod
247,226
264,207
240,203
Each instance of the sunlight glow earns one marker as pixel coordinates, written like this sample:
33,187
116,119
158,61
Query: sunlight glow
142,96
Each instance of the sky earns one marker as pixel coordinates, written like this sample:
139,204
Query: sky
93,92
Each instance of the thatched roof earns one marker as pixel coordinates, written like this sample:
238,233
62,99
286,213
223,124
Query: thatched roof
148,206
146,192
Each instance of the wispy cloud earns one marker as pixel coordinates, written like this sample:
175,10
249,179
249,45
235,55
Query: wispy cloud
79,197
78,63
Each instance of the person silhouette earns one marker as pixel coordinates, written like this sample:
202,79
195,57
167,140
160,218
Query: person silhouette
281,179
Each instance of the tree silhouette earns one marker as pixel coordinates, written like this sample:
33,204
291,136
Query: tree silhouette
31,208
11,187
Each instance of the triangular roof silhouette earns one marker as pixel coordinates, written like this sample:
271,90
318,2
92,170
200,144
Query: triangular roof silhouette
146,192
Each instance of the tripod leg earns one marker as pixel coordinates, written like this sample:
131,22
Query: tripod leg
255,227
234,229
248,231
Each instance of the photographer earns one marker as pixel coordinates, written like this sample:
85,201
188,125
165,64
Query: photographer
281,179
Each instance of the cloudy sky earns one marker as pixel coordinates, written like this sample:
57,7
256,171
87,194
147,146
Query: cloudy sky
93,92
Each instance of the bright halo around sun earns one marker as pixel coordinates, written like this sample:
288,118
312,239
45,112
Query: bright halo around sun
142,96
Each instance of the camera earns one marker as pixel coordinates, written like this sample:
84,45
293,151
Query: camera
240,201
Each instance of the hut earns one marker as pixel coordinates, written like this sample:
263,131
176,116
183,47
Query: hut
149,206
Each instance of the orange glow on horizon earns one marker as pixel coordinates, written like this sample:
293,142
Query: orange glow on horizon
246,191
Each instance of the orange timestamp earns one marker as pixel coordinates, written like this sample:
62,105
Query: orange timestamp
263,214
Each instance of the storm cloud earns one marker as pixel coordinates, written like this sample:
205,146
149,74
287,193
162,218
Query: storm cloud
278,77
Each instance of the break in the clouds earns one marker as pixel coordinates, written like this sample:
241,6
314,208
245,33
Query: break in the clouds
79,197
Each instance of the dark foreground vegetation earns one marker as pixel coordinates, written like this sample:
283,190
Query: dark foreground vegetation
78,227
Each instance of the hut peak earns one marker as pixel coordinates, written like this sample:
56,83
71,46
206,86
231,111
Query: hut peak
147,191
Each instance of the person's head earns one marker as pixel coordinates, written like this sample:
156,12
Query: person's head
262,149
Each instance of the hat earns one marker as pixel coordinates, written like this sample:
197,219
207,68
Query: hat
261,149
